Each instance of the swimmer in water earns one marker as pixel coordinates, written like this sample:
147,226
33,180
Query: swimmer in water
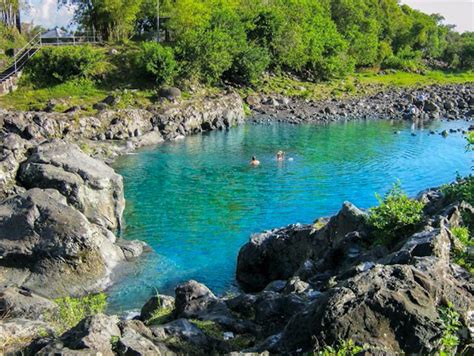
254,161
280,156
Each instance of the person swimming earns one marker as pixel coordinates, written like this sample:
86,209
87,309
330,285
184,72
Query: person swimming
280,156
254,161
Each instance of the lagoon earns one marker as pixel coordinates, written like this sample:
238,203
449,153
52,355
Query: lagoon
196,201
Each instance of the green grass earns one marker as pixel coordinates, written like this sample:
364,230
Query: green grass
131,93
80,93
404,79
160,316
359,84
214,331
72,310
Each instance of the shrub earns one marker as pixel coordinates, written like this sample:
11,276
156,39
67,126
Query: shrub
405,59
54,65
73,310
249,65
396,216
206,54
450,321
461,190
158,61
462,254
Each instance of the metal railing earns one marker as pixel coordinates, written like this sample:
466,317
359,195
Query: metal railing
22,56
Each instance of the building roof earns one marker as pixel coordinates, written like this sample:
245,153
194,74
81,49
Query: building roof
56,33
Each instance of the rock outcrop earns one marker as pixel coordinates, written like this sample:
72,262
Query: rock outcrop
88,184
52,248
314,286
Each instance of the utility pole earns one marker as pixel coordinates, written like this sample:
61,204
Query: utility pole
157,20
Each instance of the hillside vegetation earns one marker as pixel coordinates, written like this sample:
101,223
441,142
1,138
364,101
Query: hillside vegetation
326,47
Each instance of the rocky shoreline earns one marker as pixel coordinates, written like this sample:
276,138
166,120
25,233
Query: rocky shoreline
418,105
61,207
307,287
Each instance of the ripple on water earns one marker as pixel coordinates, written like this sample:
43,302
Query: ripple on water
197,201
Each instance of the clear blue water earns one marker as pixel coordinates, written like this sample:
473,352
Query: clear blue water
196,201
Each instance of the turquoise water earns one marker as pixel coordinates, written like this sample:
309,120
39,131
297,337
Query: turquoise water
196,201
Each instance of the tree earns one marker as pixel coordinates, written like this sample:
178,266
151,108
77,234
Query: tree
10,13
113,19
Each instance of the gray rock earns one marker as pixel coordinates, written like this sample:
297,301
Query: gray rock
52,248
273,255
89,185
133,343
170,93
191,298
94,333
17,334
22,303
375,307
132,248
184,331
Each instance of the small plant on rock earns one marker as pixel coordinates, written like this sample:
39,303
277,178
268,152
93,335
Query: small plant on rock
451,324
72,310
462,253
461,190
344,348
396,216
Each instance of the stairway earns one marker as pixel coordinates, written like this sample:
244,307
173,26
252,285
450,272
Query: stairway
11,72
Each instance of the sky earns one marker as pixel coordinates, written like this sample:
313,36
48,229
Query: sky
456,12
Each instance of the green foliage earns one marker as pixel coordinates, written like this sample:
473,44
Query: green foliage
463,252
450,321
158,61
318,40
54,65
209,327
461,190
249,65
396,216
72,310
345,348
113,19
405,59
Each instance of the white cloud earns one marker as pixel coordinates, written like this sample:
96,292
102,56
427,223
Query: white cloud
455,12
47,14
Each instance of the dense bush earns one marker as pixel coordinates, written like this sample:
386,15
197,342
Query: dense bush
249,65
396,216
462,190
54,65
405,59
158,61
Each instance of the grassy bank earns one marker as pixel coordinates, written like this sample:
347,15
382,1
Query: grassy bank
85,93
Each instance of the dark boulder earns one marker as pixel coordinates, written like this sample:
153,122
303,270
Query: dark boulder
191,298
170,93
273,255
